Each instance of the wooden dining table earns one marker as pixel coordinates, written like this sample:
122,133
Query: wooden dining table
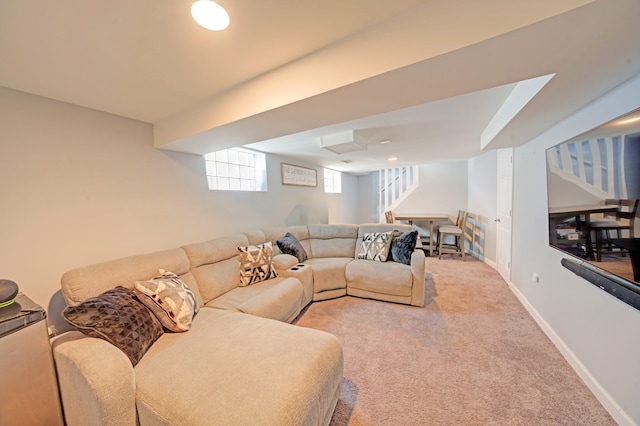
424,217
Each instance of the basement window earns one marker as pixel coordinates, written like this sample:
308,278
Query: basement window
332,181
236,169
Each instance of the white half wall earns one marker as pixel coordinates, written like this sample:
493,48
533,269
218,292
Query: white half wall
598,334
81,186
483,204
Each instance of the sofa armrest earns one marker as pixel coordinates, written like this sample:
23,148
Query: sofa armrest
417,272
96,381
303,273
284,261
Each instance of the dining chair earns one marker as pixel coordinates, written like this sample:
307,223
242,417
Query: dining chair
618,221
603,219
457,232
389,216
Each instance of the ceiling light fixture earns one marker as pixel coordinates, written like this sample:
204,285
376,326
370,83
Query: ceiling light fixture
210,15
385,141
393,158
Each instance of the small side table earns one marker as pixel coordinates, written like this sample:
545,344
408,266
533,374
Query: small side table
28,385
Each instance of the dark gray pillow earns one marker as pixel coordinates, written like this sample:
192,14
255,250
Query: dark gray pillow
118,317
290,245
402,246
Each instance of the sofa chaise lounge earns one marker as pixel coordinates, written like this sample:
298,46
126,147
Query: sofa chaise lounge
240,362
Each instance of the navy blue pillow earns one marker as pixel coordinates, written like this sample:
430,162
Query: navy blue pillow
403,246
290,245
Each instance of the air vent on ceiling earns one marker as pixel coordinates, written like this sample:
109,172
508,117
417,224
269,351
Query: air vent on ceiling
347,161
340,143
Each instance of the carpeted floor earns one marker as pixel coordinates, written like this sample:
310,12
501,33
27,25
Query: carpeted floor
471,356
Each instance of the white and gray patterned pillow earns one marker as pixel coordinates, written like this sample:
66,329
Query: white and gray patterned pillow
375,246
169,298
256,263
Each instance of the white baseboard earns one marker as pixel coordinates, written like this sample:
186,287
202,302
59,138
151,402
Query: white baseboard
614,409
483,259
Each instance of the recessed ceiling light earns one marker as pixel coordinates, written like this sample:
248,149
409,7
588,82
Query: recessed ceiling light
393,158
385,141
210,15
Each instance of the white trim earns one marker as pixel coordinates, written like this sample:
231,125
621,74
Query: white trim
483,259
491,263
596,163
607,401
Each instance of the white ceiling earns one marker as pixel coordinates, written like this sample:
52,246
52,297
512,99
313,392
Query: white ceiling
416,134
427,74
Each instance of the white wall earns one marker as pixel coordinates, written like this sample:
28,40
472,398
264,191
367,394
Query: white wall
599,334
443,189
483,204
368,198
81,186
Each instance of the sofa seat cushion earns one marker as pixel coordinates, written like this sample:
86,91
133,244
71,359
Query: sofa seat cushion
233,368
328,272
278,298
380,277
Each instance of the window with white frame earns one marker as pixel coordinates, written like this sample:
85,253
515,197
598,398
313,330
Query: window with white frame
332,181
236,169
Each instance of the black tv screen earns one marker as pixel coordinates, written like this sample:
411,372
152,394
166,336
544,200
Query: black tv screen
593,188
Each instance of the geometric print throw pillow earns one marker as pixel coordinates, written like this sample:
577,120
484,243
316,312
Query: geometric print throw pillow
375,246
118,317
256,263
169,298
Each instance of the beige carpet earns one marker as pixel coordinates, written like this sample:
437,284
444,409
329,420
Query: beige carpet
471,356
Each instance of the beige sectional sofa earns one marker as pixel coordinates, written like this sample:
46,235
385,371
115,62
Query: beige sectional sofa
241,362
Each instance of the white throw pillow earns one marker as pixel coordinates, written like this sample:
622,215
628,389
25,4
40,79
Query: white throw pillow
170,299
256,263
375,246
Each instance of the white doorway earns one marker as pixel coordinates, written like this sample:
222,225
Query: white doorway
503,221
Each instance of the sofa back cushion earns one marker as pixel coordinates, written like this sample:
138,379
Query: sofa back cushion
301,232
332,240
215,265
370,228
90,281
255,237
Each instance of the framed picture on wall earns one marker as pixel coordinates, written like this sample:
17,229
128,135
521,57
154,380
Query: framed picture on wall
297,175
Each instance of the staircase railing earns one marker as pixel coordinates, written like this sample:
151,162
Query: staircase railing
596,165
395,185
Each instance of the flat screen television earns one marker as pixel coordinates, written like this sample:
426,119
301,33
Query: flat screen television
593,182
